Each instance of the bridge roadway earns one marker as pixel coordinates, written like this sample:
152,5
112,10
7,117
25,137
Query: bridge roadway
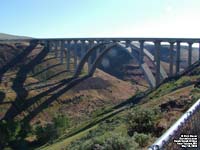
92,50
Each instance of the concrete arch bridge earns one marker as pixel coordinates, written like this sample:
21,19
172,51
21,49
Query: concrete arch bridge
92,50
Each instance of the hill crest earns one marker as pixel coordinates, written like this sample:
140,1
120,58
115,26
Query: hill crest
4,36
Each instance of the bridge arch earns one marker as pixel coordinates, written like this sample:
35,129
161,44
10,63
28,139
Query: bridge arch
84,59
151,58
147,72
143,65
99,58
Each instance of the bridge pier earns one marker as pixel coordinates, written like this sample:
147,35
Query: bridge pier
56,48
82,49
68,56
75,54
99,49
190,54
98,52
199,50
51,46
157,60
171,59
90,44
178,57
134,53
127,43
62,48
141,57
94,55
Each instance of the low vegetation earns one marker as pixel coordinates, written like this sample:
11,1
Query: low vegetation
141,121
13,134
149,119
108,140
53,130
139,127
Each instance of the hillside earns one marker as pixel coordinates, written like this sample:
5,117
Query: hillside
100,91
164,106
9,36
39,82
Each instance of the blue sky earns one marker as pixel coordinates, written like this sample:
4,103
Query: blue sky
101,18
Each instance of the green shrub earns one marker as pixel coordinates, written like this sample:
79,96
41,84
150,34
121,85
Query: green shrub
141,121
61,123
46,133
142,139
106,142
12,134
52,130
9,131
117,142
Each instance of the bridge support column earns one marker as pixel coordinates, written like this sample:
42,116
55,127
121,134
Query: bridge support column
75,55
141,58
157,60
199,50
171,59
56,48
62,51
68,56
127,43
190,54
178,57
90,44
95,53
51,47
98,51
82,49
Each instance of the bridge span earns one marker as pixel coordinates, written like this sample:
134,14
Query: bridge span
92,50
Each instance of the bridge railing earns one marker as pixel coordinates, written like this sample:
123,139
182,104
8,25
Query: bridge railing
188,124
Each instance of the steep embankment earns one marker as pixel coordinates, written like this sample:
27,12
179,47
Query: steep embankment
164,106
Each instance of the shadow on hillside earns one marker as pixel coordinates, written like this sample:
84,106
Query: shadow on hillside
31,106
57,74
49,78
35,104
46,69
13,62
18,59
47,59
18,83
45,85
71,83
36,99
129,102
